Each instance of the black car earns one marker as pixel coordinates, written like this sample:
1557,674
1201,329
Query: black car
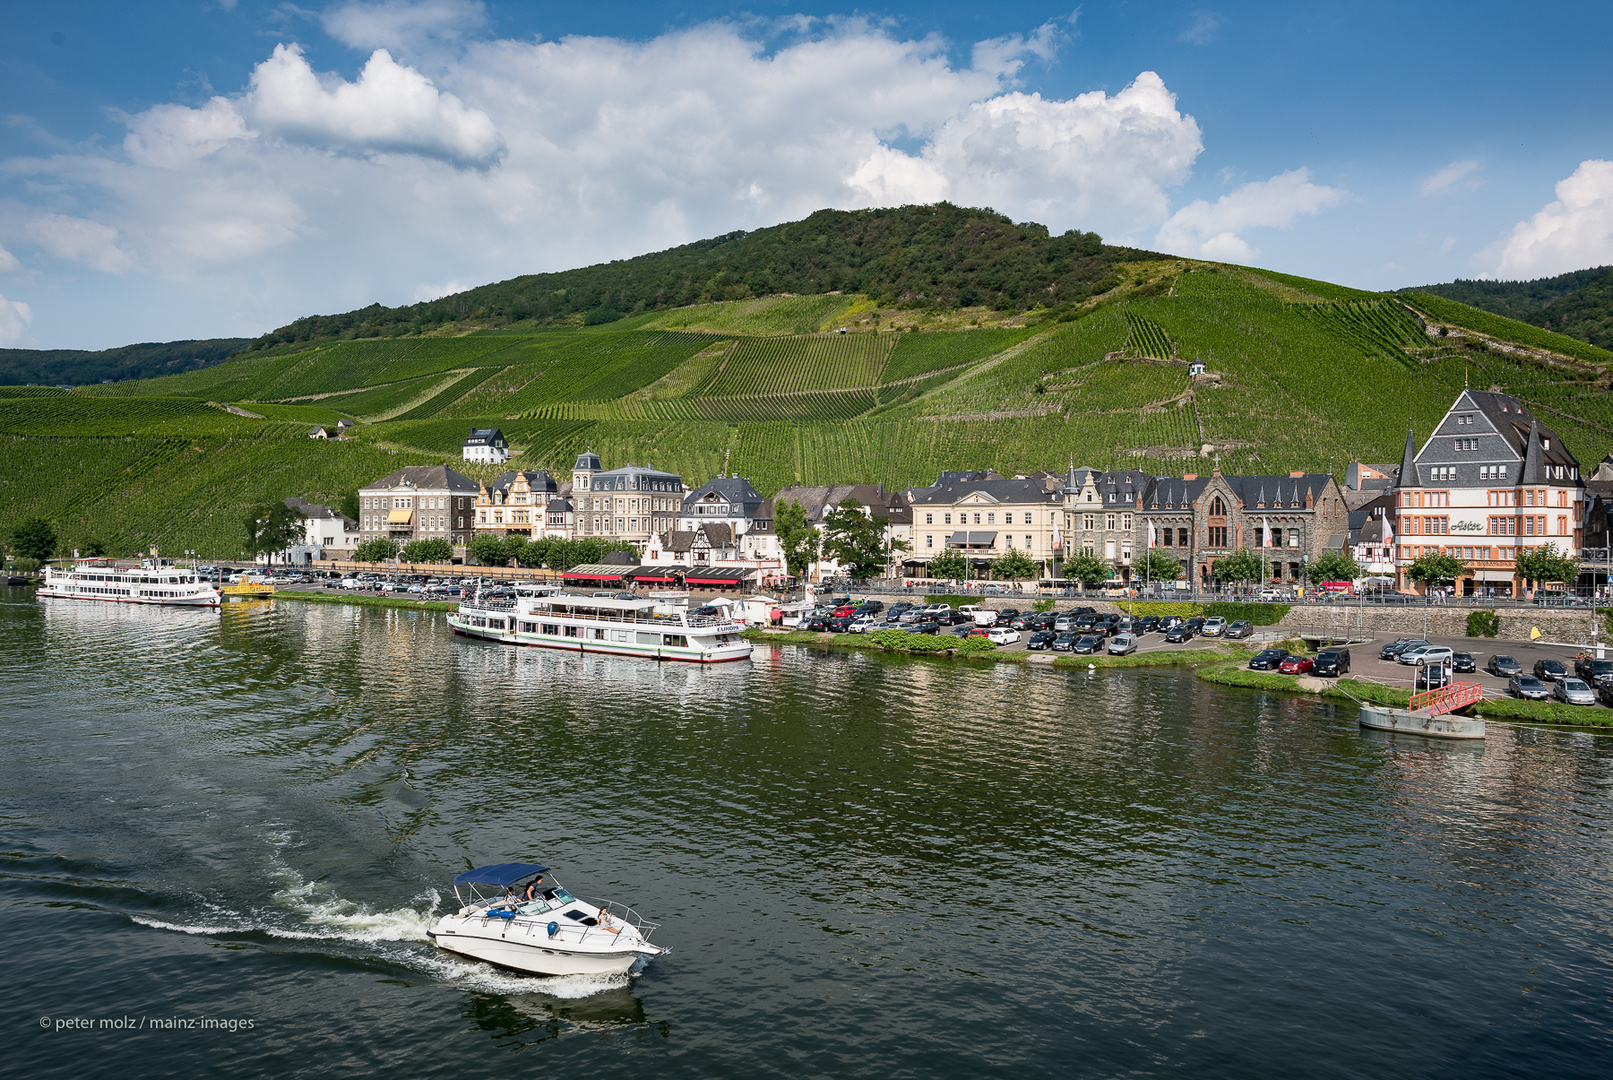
839,624
1527,686
954,618
1393,650
962,631
1042,620
872,607
1066,641
1196,623
1080,611
1087,643
1550,670
897,611
818,624
924,626
1595,672
1148,625
1179,633
1022,622
1604,694
1331,662
1006,617
1083,622
1462,663
1503,666
1041,641
1432,677
1267,659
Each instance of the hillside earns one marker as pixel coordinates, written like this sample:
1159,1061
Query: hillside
1303,375
78,367
1577,304
933,257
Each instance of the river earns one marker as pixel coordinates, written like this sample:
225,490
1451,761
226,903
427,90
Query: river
865,866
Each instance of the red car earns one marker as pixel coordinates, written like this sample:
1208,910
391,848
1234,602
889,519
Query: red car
979,631
1295,665
844,610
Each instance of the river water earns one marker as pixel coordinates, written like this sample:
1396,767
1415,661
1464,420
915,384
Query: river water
864,866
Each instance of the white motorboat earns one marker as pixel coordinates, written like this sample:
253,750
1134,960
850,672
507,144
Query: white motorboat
518,916
655,628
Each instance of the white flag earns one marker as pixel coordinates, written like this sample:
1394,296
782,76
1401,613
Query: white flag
1150,534
1266,525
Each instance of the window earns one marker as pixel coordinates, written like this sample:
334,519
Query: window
1181,538
929,540
1028,544
1165,537
1125,522
946,519
1218,536
1217,507
1109,523
1293,538
991,519
929,519
1089,521
977,519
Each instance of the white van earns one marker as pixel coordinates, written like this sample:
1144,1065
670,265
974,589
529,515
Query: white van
1428,654
978,615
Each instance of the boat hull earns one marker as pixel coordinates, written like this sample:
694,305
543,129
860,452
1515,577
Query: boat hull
1446,726
47,593
720,654
526,947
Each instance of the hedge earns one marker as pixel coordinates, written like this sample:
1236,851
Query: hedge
1230,610
1483,624
910,642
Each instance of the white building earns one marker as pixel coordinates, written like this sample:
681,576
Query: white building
1490,480
486,444
328,534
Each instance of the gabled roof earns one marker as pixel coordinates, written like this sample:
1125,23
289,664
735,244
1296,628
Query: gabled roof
1173,493
1278,492
999,490
536,480
428,477
320,512
819,499
681,540
733,489
485,437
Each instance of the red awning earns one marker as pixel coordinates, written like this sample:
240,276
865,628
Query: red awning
653,577
709,581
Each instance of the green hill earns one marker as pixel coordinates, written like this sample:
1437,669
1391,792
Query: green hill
1578,304
76,367
1303,375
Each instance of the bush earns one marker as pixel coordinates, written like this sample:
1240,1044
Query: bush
975,645
25,566
1483,624
1259,614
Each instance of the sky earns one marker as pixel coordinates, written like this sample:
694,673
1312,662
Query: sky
174,170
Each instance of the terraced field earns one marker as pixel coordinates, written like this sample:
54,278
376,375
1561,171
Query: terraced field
1304,374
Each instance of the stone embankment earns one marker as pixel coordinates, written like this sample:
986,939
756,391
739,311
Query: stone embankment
1569,625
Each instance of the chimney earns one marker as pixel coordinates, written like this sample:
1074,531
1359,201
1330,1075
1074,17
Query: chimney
1190,476
1297,472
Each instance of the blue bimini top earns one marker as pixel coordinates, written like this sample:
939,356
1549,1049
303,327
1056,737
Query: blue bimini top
505,874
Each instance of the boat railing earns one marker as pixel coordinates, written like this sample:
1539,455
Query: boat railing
569,929
659,622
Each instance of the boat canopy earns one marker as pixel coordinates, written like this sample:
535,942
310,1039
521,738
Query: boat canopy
504,874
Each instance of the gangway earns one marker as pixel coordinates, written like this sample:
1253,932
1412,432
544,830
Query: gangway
1445,699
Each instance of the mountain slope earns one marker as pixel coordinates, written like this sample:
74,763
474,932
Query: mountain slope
1578,304
78,367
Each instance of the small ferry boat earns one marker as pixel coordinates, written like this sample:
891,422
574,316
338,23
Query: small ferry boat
150,581
657,629
518,916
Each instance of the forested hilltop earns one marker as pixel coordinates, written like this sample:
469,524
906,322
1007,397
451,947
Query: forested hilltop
933,257
78,367
1578,304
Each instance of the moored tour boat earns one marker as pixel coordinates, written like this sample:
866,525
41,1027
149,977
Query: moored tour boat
518,916
151,581
622,626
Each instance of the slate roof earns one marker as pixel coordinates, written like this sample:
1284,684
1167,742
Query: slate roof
999,490
735,490
538,480
1278,492
485,437
818,499
1173,493
320,512
681,540
427,477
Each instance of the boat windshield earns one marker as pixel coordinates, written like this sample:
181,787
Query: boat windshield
547,902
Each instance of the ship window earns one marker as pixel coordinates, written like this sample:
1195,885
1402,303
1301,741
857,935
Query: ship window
676,640
551,628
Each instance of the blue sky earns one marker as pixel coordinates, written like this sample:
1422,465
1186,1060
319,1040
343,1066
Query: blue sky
172,170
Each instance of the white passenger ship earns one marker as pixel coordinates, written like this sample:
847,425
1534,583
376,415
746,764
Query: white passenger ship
654,629
151,582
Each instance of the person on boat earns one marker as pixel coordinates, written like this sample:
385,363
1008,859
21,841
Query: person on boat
606,923
532,888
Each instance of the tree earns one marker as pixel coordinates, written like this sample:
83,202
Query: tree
1156,565
1015,565
856,539
1241,566
1434,567
1540,565
271,528
381,549
33,539
1332,566
349,505
490,550
436,549
949,565
1088,569
796,536
93,548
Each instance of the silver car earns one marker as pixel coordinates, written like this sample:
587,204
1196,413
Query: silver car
1573,692
1214,626
1122,644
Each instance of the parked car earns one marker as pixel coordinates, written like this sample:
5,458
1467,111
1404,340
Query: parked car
1087,643
1296,665
1042,620
1041,641
1393,650
1170,621
1197,623
1064,622
924,626
873,607
863,624
1595,672
1126,625
1148,625
1179,633
1002,635
1122,644
1427,654
1240,628
1333,662
1503,666
1432,677
1267,659
1550,670
1463,664
1006,616
967,630
1527,686
1023,621
1269,594
1214,626
1604,694
1063,641
1572,691
817,624
1083,622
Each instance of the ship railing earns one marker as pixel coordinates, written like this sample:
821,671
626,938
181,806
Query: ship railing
659,622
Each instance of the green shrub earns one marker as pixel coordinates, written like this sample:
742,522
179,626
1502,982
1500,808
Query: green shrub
24,566
1483,624
975,645
1259,614
1043,605
1162,608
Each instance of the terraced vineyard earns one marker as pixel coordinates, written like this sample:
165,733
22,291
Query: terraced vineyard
1303,374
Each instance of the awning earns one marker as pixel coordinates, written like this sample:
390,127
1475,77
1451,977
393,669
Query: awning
1492,575
600,572
661,574
506,873
972,539
399,517
728,576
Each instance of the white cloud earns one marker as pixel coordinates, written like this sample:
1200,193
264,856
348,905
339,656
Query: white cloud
15,319
1449,177
1572,233
437,292
173,136
1202,27
1055,161
9,263
1210,230
391,108
78,240
403,26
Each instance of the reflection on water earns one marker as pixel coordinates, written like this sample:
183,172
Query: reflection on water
864,864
